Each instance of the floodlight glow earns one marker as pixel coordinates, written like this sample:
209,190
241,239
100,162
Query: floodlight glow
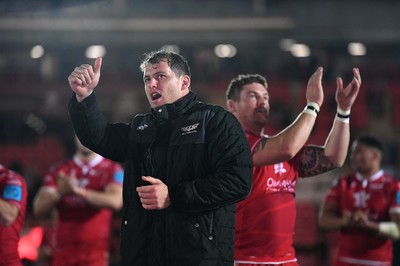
95,51
171,48
37,51
300,50
357,49
225,50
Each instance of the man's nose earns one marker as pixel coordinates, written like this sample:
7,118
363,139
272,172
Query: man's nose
152,82
261,101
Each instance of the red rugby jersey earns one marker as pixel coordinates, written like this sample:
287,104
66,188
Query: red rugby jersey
12,189
265,220
81,227
378,196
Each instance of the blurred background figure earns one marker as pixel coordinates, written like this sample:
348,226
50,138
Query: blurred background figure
13,198
365,207
80,194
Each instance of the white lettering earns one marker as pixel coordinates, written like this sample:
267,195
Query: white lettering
280,185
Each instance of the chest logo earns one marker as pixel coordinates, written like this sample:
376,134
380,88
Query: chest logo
279,169
142,127
361,199
189,129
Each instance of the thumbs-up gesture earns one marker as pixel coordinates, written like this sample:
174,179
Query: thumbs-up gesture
84,79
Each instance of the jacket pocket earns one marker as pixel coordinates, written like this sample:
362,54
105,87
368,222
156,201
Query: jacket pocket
134,234
193,242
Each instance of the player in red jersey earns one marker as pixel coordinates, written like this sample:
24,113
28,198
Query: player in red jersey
265,220
85,191
13,196
365,207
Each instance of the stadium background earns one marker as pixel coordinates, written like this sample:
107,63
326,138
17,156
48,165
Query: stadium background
42,41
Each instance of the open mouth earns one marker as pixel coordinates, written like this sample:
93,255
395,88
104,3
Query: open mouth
261,110
155,96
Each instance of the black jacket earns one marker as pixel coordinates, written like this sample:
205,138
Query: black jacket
201,153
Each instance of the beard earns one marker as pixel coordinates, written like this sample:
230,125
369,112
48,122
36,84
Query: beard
261,118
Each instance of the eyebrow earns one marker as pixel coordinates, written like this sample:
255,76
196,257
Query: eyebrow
156,73
253,91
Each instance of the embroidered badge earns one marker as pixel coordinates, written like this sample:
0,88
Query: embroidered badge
189,129
142,127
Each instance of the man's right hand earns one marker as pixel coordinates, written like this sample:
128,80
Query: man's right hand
84,79
315,92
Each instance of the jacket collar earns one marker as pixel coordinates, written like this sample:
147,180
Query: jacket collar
175,109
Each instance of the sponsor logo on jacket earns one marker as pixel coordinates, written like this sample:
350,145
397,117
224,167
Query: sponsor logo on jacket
142,127
189,129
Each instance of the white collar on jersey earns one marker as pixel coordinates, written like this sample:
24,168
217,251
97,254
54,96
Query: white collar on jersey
372,178
86,166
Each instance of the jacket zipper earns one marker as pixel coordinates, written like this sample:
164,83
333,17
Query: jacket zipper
210,232
149,152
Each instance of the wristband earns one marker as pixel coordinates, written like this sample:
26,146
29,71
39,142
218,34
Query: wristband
344,119
310,111
311,108
342,116
314,105
343,113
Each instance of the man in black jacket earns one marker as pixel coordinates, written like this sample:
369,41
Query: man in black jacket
186,165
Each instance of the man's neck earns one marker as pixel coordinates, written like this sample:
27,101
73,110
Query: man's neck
368,174
86,157
255,130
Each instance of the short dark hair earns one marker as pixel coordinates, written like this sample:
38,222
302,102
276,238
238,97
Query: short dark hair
176,62
370,141
236,84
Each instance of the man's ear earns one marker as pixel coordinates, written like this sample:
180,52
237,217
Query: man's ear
185,82
231,105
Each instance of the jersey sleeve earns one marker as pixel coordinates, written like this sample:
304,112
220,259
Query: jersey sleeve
14,191
395,204
117,174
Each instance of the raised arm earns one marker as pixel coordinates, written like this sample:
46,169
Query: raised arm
317,160
107,139
337,143
84,79
286,144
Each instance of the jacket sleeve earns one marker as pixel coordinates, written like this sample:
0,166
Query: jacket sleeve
230,163
108,140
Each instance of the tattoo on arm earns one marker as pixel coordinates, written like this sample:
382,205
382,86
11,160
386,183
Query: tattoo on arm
261,144
313,162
